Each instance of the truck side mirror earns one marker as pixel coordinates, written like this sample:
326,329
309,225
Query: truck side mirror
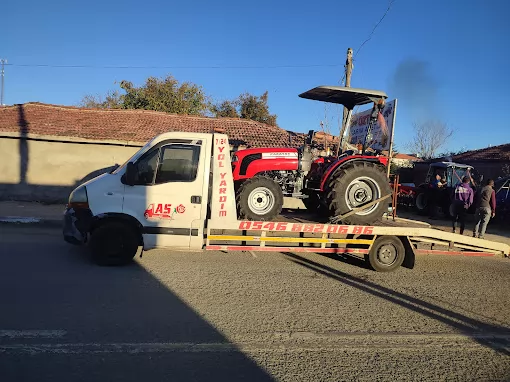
130,175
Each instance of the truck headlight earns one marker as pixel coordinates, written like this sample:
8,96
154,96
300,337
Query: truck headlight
78,198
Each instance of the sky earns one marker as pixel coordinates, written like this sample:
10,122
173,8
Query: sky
443,60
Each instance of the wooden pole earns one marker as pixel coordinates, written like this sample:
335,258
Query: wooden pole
348,73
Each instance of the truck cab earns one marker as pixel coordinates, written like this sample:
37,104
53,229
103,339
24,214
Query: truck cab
157,199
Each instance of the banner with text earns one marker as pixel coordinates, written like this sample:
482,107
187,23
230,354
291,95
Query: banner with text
359,128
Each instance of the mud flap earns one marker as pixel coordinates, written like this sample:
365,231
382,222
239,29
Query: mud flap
410,258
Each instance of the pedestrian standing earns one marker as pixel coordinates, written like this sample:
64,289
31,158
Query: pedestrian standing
434,195
462,200
485,208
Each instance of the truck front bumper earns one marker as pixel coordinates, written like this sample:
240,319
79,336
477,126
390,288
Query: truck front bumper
76,225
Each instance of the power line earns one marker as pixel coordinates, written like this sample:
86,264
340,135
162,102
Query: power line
370,35
376,25
172,67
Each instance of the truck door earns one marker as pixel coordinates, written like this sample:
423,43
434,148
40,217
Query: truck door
167,196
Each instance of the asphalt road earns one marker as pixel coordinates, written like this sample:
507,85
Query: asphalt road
174,316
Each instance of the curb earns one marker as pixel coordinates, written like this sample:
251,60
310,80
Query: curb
31,221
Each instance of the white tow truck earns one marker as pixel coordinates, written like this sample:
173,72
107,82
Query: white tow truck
177,192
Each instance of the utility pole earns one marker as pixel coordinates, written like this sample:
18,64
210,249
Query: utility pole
348,73
3,61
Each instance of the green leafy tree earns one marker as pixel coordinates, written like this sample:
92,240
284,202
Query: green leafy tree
225,109
111,101
158,94
247,106
256,108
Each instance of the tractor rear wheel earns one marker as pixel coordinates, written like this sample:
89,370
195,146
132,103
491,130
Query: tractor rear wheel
356,185
421,203
259,198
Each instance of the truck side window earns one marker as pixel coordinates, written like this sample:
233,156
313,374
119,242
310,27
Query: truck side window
178,163
147,167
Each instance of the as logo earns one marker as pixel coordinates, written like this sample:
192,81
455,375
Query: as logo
163,211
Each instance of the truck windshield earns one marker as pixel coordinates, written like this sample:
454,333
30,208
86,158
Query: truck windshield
135,155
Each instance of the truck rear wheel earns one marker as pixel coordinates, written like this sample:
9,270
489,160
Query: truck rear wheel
387,254
114,243
259,198
355,186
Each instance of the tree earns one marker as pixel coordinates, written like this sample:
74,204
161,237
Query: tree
256,108
111,101
165,94
225,109
246,106
429,137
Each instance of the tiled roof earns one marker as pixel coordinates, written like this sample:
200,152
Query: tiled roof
501,152
407,157
135,125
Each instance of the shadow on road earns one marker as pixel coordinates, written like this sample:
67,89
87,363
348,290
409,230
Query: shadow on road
483,333
121,323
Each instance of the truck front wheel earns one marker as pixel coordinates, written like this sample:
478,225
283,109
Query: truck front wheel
259,198
114,243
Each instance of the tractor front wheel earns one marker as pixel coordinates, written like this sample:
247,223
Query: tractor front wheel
259,198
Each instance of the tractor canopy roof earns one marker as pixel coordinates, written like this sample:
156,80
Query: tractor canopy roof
349,97
450,164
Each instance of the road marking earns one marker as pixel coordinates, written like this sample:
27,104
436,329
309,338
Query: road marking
253,254
32,333
303,341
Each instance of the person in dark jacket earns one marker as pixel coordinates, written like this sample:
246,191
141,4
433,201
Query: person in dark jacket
462,200
485,208
434,196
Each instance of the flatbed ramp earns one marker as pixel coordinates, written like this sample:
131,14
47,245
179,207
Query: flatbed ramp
400,240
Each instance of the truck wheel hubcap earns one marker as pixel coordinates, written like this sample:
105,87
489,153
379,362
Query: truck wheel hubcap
360,191
387,254
261,201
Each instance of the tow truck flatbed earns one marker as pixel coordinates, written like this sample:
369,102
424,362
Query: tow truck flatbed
201,214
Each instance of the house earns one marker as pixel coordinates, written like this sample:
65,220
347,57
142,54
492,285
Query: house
46,150
491,162
135,126
404,160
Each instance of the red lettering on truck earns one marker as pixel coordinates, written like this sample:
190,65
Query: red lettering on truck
299,227
222,190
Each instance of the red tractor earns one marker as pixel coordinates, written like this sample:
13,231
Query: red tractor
352,188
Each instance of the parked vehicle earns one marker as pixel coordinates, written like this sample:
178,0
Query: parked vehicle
502,189
423,194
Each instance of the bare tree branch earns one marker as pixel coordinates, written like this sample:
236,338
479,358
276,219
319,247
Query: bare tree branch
429,137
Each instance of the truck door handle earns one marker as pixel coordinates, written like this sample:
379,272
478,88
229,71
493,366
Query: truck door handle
196,199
